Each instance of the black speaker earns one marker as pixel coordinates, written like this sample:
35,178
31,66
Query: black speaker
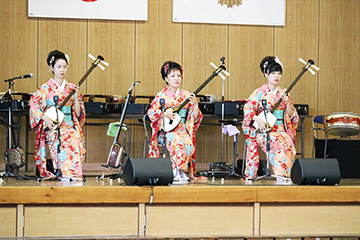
148,171
315,171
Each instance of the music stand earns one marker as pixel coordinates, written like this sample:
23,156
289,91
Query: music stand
234,122
9,126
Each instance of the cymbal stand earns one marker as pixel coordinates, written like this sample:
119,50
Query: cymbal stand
8,168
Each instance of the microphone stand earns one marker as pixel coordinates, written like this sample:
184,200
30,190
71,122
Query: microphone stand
266,170
58,172
162,103
9,132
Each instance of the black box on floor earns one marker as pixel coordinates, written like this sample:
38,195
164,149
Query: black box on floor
240,165
346,151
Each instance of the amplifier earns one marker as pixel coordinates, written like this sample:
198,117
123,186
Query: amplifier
17,105
137,108
302,109
230,108
100,107
106,108
207,108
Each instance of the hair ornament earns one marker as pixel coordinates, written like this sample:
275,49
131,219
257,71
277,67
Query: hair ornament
277,60
67,58
51,60
265,65
166,68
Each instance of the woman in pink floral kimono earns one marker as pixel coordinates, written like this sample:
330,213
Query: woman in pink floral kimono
180,142
72,150
282,135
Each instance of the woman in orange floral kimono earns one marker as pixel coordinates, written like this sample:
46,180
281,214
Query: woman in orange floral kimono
180,142
72,151
282,135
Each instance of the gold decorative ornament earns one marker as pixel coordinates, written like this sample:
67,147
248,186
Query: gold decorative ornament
230,3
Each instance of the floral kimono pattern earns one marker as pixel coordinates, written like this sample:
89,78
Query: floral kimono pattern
282,135
180,142
72,151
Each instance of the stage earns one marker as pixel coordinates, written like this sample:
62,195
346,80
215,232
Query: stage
228,208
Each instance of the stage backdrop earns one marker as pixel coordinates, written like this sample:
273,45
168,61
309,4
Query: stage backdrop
248,12
89,9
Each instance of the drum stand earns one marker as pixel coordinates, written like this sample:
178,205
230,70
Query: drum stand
9,125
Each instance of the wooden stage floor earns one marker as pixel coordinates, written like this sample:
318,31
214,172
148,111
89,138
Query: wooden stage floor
229,208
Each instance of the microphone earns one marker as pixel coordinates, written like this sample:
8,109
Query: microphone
162,102
56,100
264,103
30,75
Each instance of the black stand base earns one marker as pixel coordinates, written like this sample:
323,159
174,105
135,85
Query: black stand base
111,176
267,175
10,174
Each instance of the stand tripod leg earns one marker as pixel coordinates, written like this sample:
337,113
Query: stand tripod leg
233,173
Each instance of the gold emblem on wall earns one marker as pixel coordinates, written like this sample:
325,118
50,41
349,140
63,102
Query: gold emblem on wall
230,3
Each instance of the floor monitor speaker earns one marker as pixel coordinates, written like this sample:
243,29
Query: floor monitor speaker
315,171
148,171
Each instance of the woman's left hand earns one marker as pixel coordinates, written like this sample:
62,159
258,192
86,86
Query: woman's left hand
192,98
76,94
285,98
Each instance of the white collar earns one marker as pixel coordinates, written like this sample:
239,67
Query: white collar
62,85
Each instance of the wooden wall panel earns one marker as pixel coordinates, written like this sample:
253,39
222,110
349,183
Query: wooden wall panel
350,61
239,62
6,46
325,31
46,44
147,49
24,50
170,40
329,57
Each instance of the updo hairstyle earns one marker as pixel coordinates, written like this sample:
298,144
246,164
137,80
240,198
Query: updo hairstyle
167,67
54,56
270,64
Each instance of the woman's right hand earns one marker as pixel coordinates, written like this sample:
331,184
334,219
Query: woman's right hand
49,123
169,113
261,123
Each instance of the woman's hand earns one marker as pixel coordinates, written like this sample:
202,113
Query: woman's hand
193,99
261,123
169,113
49,123
76,94
285,98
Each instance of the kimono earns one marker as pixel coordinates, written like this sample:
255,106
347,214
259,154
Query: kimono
180,142
72,150
282,135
